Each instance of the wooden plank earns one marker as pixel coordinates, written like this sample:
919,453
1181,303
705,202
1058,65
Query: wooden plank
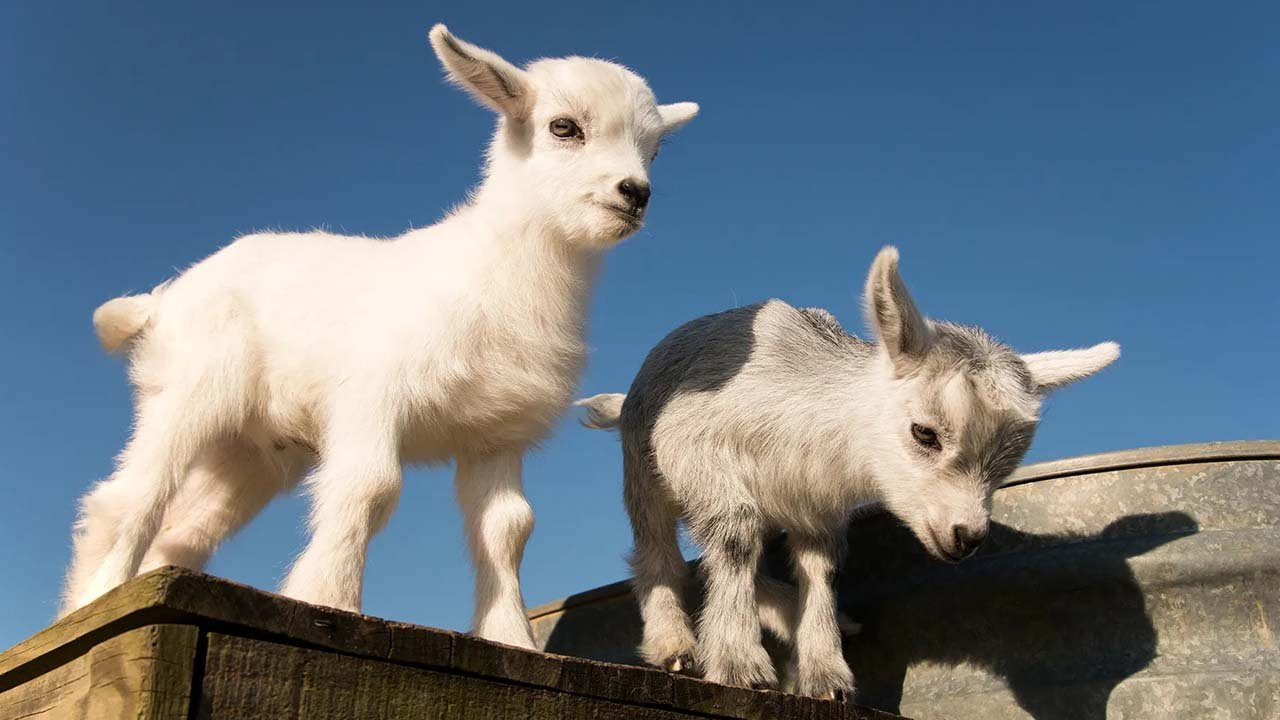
699,696
144,673
254,678
174,595
231,605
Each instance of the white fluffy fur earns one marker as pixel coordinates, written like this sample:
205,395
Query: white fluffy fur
348,357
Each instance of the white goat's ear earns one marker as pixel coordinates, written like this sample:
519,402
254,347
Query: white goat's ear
892,314
493,81
677,115
1055,368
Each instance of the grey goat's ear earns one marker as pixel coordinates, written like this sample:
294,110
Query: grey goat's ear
1056,368
892,314
491,80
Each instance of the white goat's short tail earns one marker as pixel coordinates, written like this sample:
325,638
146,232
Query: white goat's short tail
604,411
116,321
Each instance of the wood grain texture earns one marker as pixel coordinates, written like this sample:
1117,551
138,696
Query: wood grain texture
142,674
252,678
353,665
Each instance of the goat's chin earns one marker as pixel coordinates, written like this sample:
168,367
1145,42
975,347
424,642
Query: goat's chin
625,231
616,223
610,232
931,543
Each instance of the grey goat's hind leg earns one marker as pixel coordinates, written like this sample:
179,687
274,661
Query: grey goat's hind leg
659,570
817,667
226,488
776,605
779,610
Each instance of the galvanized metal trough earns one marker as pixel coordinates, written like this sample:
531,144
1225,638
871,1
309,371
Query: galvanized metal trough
1138,584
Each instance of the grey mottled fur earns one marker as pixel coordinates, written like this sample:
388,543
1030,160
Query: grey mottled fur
768,417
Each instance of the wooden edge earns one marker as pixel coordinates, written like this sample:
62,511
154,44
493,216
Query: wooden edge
175,595
148,672
1165,455
108,616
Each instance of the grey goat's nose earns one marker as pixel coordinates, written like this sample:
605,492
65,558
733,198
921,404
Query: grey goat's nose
635,191
967,539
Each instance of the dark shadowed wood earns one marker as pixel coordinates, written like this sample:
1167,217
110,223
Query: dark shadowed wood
251,677
243,653
144,674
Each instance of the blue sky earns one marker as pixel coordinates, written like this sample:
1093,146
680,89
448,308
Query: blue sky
1060,173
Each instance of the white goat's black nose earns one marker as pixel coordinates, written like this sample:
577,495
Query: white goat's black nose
967,539
635,191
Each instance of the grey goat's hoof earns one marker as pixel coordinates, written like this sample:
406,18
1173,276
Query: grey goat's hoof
682,663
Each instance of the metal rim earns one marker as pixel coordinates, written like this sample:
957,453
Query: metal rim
1163,455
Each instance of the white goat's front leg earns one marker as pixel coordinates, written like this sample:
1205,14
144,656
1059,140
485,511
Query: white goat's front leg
818,668
353,493
729,647
499,521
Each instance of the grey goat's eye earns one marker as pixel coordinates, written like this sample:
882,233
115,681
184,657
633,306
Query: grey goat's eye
925,436
565,128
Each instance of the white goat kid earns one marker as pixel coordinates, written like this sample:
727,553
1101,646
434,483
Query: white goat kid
769,417
352,356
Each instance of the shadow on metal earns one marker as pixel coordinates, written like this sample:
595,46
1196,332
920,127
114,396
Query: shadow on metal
1073,610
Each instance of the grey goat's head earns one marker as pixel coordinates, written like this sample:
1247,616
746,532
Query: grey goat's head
959,412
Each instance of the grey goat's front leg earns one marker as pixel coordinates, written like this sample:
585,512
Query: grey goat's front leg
818,668
729,647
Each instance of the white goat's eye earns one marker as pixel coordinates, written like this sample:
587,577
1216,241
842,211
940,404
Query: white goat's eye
927,437
565,128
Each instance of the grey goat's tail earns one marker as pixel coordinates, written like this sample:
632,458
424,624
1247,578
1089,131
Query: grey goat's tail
604,411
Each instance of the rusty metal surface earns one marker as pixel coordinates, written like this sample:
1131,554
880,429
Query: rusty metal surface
1141,584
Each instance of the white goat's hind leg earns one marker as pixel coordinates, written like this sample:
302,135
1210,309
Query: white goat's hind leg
353,493
499,522
95,532
659,570
818,668
120,517
226,488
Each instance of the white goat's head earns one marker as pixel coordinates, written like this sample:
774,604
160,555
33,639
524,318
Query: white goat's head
576,135
959,412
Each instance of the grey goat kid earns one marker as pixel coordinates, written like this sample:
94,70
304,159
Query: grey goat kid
769,417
